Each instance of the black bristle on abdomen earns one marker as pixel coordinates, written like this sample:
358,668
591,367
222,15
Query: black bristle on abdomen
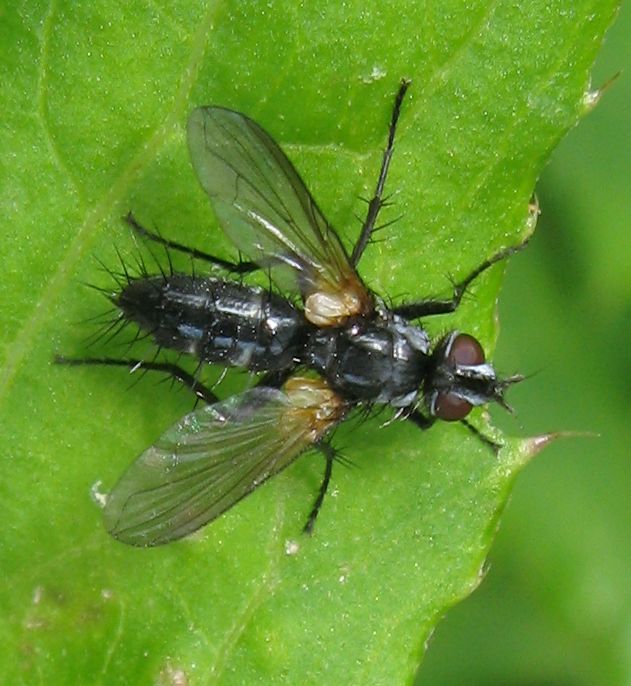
216,320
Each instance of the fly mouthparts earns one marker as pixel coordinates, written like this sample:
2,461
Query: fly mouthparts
502,385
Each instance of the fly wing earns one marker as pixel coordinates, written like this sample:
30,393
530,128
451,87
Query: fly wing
207,462
266,210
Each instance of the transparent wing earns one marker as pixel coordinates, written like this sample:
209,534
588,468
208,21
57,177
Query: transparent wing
265,208
207,462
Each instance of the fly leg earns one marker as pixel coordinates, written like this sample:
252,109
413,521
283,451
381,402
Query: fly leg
329,455
421,420
425,423
424,308
232,267
489,442
172,370
276,380
377,201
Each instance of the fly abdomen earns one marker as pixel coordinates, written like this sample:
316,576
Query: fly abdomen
217,321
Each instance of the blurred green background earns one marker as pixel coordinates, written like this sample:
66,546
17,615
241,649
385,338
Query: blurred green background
555,607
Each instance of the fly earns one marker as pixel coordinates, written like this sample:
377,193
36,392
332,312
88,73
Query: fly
341,350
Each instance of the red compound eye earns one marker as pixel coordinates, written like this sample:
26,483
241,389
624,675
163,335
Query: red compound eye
465,350
451,407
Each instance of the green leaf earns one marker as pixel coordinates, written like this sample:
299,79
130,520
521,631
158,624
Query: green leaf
95,98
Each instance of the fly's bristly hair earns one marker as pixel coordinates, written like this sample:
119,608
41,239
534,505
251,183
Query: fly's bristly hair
115,320
339,457
365,413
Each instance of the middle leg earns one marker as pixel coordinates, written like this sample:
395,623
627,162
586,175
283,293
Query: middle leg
329,454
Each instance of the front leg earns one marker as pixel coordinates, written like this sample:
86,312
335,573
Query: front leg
421,420
489,442
425,423
431,306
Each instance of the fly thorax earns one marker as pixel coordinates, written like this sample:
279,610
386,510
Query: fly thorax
410,352
380,360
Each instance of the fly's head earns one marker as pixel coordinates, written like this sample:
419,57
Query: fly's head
460,378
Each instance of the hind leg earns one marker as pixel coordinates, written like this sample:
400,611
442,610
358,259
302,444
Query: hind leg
172,370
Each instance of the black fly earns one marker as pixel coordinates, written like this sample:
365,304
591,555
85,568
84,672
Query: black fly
343,349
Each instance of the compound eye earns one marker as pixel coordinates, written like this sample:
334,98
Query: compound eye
465,350
450,407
